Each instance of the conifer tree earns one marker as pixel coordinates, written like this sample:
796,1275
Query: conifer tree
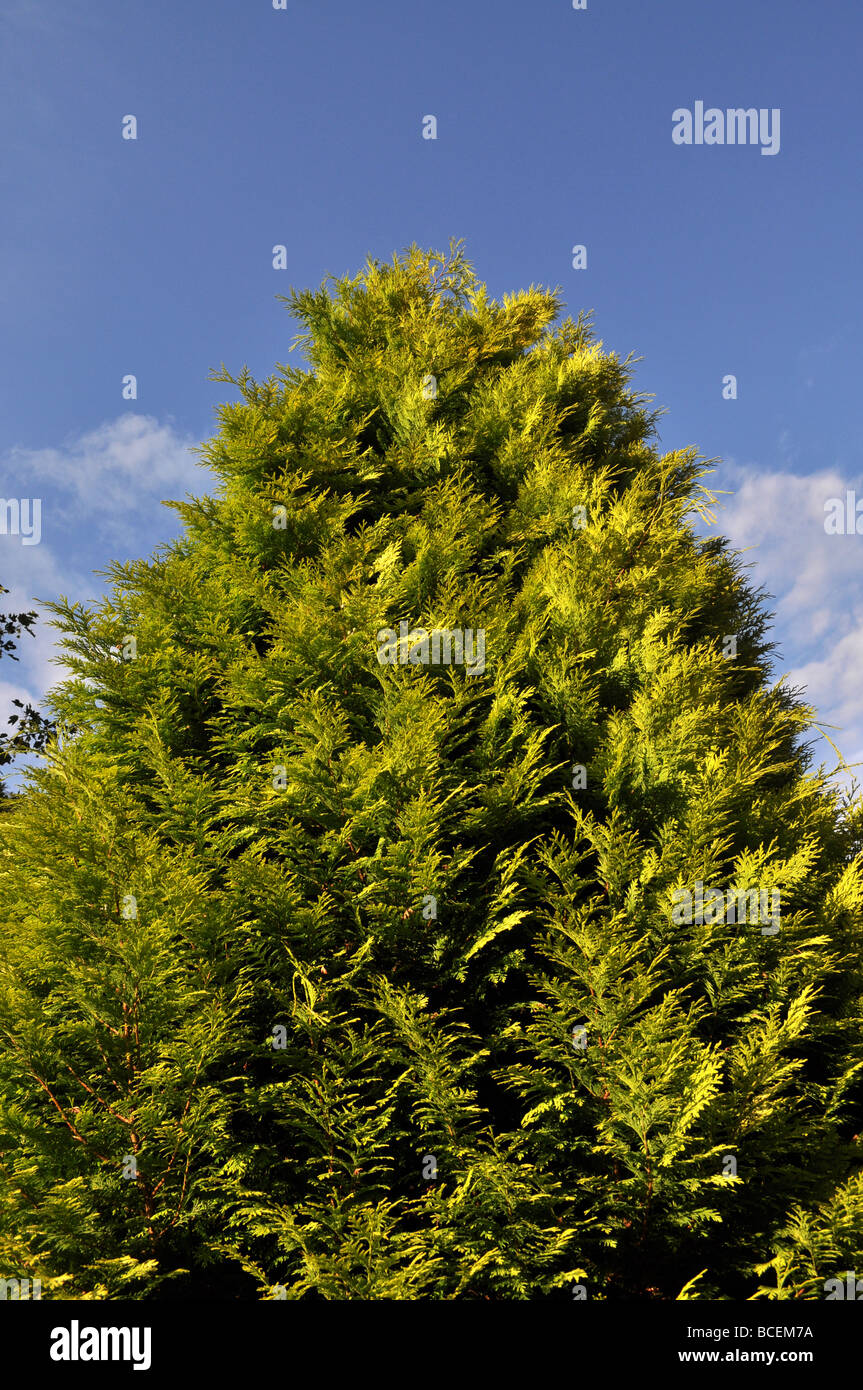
362,940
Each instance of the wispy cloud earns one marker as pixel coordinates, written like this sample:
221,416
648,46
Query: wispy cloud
110,476
816,581
101,495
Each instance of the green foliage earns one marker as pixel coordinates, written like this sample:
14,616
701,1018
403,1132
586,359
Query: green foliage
382,996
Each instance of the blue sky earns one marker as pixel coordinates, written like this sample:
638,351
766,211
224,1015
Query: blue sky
303,126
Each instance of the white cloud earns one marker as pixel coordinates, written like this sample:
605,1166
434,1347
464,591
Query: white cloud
101,493
817,583
111,473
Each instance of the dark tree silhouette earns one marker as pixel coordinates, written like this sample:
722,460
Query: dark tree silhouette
34,729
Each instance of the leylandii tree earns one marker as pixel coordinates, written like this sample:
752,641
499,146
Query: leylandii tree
437,899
